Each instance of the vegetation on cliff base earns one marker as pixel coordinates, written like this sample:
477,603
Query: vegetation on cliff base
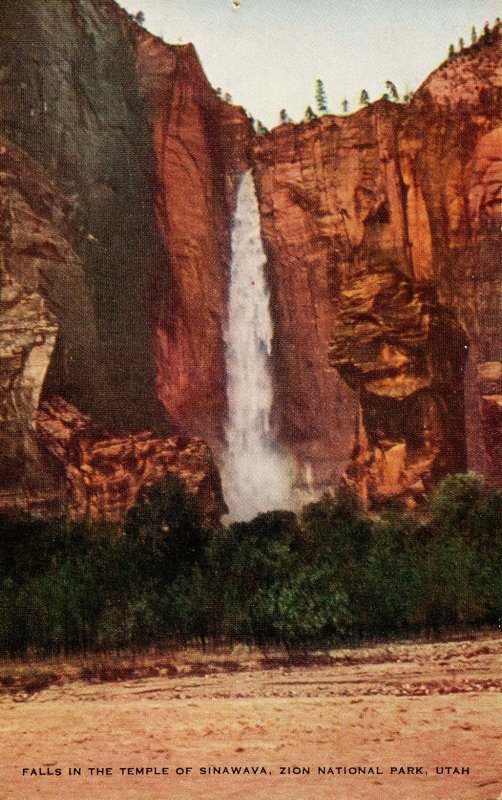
327,575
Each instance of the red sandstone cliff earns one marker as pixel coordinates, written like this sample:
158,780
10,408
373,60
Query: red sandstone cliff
105,473
361,215
383,240
43,296
130,129
382,230
201,146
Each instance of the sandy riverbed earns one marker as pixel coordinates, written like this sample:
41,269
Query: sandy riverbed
422,706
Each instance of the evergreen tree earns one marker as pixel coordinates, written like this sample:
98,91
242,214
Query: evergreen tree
451,51
283,116
391,88
218,91
309,114
364,99
474,35
345,105
140,17
227,98
260,128
461,44
320,96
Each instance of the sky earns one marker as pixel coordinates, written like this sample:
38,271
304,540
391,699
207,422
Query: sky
268,53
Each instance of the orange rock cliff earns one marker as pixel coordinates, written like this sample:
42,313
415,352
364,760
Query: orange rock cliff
383,235
118,175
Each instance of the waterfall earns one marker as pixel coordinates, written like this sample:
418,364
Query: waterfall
256,475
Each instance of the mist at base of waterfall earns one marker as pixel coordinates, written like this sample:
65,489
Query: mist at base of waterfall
255,484
256,475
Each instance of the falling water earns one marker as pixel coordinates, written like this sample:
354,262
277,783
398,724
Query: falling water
256,475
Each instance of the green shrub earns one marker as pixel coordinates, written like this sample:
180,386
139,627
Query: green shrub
393,584
166,521
329,573
305,608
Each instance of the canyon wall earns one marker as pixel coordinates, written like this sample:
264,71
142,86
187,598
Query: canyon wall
52,457
383,235
201,146
84,247
149,156
118,174
70,98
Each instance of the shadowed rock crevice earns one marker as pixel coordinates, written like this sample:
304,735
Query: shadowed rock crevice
404,354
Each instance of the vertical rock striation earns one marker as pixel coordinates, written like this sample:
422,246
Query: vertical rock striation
200,146
70,98
383,235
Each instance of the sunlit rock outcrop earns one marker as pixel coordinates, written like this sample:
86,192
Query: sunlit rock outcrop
27,337
200,146
106,473
383,235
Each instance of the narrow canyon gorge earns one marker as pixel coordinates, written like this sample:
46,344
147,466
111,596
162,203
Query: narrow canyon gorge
120,169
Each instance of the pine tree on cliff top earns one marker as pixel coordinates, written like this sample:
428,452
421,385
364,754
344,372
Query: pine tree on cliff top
260,128
320,96
309,114
364,99
474,35
391,88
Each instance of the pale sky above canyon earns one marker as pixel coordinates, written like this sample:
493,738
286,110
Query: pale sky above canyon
268,53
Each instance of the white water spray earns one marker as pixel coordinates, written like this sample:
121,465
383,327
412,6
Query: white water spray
256,476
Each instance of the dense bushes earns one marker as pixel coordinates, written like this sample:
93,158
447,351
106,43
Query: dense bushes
329,574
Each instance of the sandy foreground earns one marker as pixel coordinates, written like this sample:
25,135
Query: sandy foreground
420,707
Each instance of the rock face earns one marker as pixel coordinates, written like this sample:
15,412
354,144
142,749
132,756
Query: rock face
200,145
70,98
105,474
35,228
44,318
149,156
118,173
404,354
27,338
382,240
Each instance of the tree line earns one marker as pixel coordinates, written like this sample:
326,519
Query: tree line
321,103
488,36
327,575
